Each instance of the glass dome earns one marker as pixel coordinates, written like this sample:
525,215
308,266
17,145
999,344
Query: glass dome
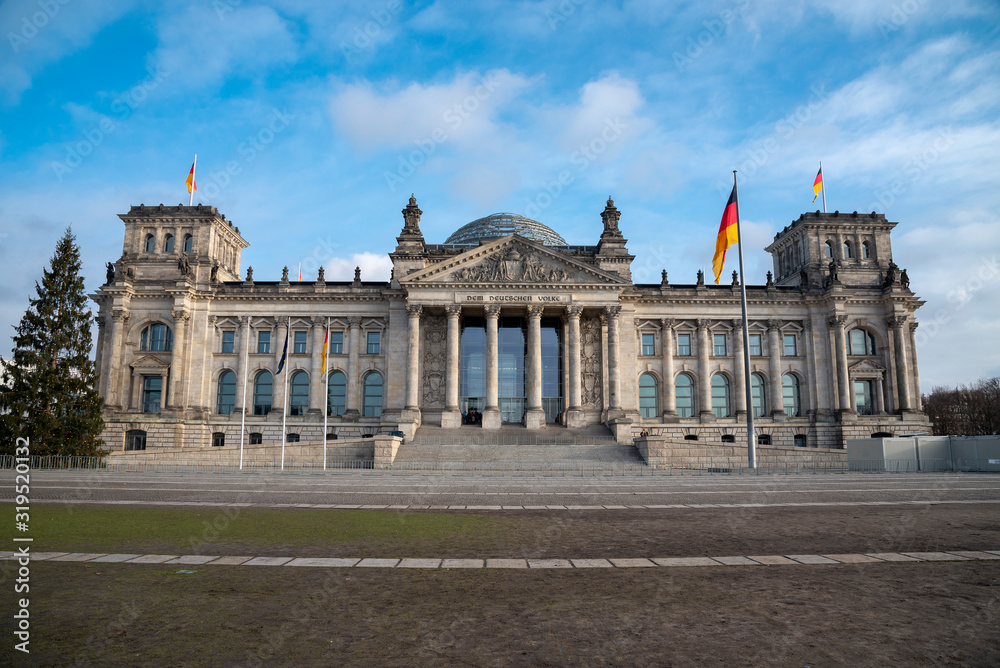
500,225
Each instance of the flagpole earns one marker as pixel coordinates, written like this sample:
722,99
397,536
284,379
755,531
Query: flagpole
326,384
194,168
284,407
824,185
243,405
751,437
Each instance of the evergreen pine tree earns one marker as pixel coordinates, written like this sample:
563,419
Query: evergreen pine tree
49,394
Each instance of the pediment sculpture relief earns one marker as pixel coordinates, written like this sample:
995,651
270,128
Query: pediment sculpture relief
513,265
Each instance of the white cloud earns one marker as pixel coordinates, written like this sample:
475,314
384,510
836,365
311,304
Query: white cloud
374,267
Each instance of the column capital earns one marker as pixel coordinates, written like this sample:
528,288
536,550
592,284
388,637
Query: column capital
913,325
773,324
668,323
738,323
492,310
245,320
574,311
414,310
702,323
281,321
534,311
612,311
318,321
180,315
119,315
837,320
354,321
896,320
453,310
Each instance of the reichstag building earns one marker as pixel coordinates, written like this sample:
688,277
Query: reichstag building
503,326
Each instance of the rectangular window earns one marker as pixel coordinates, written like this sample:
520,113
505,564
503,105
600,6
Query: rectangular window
218,440
300,342
790,347
373,343
336,343
647,345
263,342
684,345
152,389
756,350
228,341
719,345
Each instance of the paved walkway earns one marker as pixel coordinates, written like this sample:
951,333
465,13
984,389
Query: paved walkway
633,562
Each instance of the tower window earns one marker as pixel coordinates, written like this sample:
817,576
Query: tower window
168,244
150,245
188,243
829,250
848,251
866,250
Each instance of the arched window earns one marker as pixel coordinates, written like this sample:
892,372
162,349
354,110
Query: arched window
168,244
757,395
790,395
188,243
336,401
150,246
298,393
829,250
647,396
848,250
720,395
684,395
861,342
263,383
157,338
226,400
372,406
866,250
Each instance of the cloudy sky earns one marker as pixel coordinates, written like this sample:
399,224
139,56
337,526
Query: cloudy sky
314,121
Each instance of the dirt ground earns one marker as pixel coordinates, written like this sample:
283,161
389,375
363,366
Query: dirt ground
935,614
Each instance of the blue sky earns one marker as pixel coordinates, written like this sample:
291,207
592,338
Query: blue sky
314,121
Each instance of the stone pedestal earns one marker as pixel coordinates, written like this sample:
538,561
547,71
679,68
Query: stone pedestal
622,429
534,418
491,418
575,419
451,419
386,448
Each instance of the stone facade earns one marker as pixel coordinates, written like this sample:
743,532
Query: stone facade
182,332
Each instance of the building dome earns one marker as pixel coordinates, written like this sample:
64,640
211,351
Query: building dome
502,224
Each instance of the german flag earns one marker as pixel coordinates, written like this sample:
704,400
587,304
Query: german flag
192,186
818,184
728,234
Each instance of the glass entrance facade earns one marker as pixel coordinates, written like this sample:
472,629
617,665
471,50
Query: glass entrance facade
512,339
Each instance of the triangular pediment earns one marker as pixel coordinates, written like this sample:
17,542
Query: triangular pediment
150,362
512,260
866,366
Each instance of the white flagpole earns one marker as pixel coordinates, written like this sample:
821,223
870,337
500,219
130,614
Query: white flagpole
284,407
326,383
194,183
751,437
246,372
824,185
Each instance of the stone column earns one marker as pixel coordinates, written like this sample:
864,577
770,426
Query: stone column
177,361
115,394
279,379
704,379
774,367
241,365
739,373
667,353
491,414
843,382
902,363
918,400
534,417
451,418
413,359
879,396
574,415
316,389
614,372
810,403
352,411
135,392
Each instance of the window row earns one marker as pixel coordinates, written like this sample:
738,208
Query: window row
300,342
168,243
298,393
722,406
849,251
720,345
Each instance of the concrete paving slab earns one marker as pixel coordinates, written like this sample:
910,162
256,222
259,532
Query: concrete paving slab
513,507
7,555
267,561
736,561
152,559
192,559
684,561
891,556
484,507
811,559
419,563
580,507
461,563
374,507
773,560
935,556
555,507
399,506
996,552
78,556
632,563
615,507
322,562
549,563
114,558
377,563
346,506
536,507
229,561
594,563
506,563
852,558
974,554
